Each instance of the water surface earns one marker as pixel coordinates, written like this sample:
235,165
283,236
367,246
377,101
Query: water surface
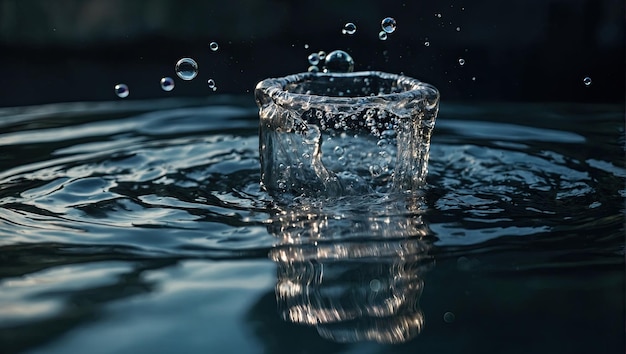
140,226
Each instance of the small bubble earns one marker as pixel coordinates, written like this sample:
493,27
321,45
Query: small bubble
375,170
214,46
461,61
121,90
211,83
427,44
338,150
458,29
382,35
167,84
306,46
187,69
314,59
587,81
449,317
375,285
473,78
349,28
313,69
438,15
388,24
338,61
321,55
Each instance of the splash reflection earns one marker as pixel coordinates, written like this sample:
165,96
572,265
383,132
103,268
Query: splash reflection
353,268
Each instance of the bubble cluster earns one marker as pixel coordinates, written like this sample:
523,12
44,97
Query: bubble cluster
338,61
186,69
167,83
121,90
349,28
388,24
214,46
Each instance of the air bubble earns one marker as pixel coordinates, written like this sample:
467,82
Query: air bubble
449,317
587,81
375,170
382,35
461,61
121,90
427,44
338,61
338,150
167,84
321,55
211,83
349,28
187,69
388,25
313,69
458,29
314,59
214,46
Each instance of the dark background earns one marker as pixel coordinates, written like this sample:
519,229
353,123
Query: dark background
519,50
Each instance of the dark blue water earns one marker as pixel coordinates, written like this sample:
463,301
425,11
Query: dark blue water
131,227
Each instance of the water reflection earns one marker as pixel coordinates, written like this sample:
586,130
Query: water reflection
353,268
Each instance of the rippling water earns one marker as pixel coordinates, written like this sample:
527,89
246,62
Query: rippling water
141,226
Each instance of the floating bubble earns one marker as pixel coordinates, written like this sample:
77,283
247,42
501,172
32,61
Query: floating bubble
427,44
438,15
313,69
321,55
375,170
587,81
388,24
214,46
449,317
314,59
338,150
121,90
339,61
461,61
382,35
473,78
211,83
306,46
458,29
167,83
349,28
187,69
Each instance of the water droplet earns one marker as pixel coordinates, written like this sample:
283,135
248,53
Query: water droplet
427,44
314,59
211,83
587,81
349,28
461,61
321,55
382,35
338,150
449,317
214,46
167,83
121,90
338,61
388,24
187,69
313,69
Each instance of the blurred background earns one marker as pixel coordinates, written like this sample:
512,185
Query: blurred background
519,50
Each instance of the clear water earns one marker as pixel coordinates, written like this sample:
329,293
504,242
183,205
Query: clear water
132,227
